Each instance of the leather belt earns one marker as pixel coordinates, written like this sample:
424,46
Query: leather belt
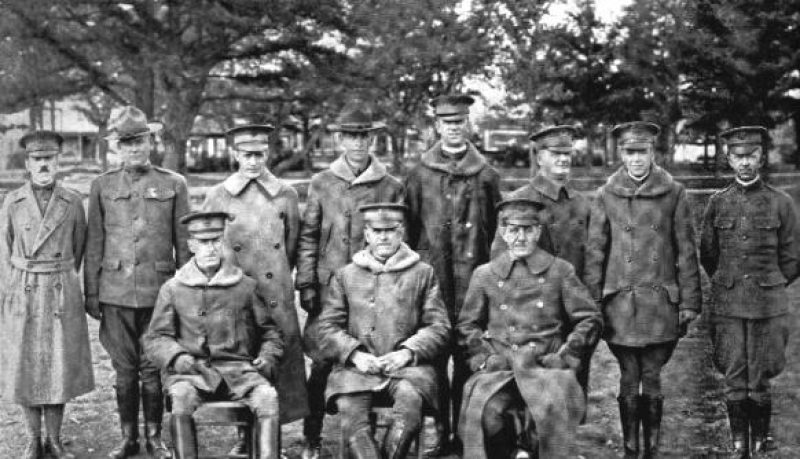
42,266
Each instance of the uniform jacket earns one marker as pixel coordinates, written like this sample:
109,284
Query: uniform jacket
222,322
44,341
262,240
641,259
749,250
518,312
135,239
451,217
380,308
565,219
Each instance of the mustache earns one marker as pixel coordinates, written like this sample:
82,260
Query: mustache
44,169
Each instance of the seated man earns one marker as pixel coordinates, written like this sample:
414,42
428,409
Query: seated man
384,323
513,327
214,339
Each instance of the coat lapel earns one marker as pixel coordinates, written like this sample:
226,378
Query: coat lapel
469,165
53,216
373,173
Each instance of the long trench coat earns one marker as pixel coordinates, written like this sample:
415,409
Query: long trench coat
221,322
44,341
519,314
332,230
262,239
381,308
641,260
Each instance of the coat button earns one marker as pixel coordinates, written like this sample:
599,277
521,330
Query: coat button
58,255
747,276
514,347
273,304
627,228
136,262
448,196
345,240
347,213
372,299
628,259
277,246
500,283
541,280
512,328
744,237
282,215
135,217
58,286
532,344
469,254
540,304
468,225
136,239
28,289
269,275
503,307
237,248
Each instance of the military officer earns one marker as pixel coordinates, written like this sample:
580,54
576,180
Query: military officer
384,323
641,264
215,339
330,234
565,216
451,196
748,248
44,341
134,243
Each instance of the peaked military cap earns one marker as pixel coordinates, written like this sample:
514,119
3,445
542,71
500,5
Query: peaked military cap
41,143
383,214
452,106
250,137
519,211
355,119
130,122
744,136
206,225
635,134
556,138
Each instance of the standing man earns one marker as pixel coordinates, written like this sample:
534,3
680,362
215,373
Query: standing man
44,341
749,250
332,231
214,338
641,266
565,215
384,323
451,197
526,323
134,243
263,239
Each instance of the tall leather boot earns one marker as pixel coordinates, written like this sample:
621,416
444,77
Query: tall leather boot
737,415
760,414
153,407
33,419
362,445
398,439
652,409
269,437
53,416
128,406
629,418
184,436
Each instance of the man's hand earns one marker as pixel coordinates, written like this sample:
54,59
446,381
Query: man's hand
554,361
366,363
685,317
396,360
309,300
184,364
265,367
92,307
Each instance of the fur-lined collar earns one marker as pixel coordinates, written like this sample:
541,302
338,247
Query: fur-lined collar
550,188
659,182
237,182
373,173
537,262
190,275
403,259
470,164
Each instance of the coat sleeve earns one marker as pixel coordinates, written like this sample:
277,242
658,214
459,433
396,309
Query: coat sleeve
688,271
473,321
180,232
95,241
336,342
787,244
79,234
308,244
161,340
586,321
709,244
597,248
271,336
291,227
6,243
432,338
413,201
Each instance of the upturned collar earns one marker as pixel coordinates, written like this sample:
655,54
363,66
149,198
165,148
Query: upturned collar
190,275
403,259
658,182
470,164
538,262
549,188
237,182
373,173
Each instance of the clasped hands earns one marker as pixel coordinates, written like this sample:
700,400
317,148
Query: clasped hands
187,364
370,364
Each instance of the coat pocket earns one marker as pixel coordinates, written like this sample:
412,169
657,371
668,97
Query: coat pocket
766,223
774,279
723,279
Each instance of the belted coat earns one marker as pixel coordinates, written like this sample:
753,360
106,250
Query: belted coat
262,240
222,322
45,356
380,308
641,260
452,218
518,311
135,240
332,228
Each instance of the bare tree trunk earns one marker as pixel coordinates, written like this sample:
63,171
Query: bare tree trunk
796,122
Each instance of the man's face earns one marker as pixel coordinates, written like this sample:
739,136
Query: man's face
355,145
207,252
637,161
746,162
521,239
42,169
454,133
554,164
136,150
383,242
251,163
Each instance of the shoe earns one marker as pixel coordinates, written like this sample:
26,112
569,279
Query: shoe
56,450
311,450
153,444
129,446
629,418
33,450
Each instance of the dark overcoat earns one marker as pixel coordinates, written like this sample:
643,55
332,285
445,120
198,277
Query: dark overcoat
332,229
641,259
262,240
380,308
45,356
519,313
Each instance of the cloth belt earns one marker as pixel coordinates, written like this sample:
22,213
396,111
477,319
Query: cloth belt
43,266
